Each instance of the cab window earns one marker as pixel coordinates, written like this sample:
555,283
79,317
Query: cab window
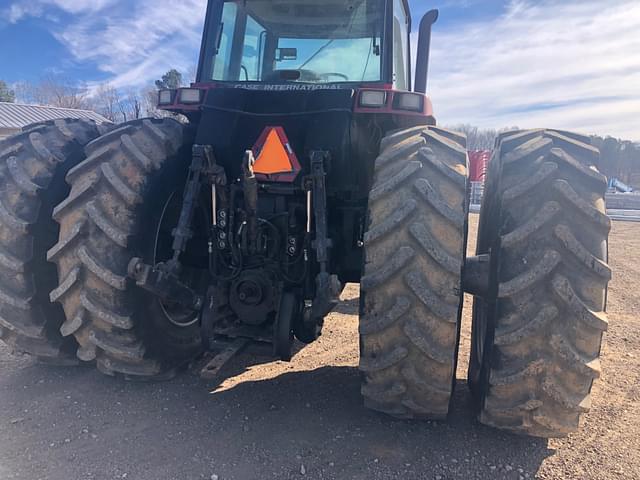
253,51
306,41
400,46
229,14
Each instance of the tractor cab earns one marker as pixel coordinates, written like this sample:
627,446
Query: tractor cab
308,45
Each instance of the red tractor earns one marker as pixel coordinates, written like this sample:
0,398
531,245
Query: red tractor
311,158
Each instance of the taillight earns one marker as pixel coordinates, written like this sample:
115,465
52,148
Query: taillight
165,97
378,101
190,95
413,102
373,98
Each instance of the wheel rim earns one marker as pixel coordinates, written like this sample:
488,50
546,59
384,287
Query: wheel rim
284,326
480,330
484,310
177,315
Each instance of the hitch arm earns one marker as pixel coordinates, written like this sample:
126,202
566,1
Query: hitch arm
161,282
322,243
202,161
328,287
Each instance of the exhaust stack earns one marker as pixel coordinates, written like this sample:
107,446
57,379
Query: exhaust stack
424,47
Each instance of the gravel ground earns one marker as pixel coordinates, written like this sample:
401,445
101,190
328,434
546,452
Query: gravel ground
305,419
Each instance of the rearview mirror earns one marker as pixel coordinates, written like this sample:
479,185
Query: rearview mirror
283,54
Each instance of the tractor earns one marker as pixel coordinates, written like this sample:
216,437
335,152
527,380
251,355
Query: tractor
308,157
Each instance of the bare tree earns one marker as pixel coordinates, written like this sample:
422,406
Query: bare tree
480,139
150,102
107,102
116,105
56,92
134,104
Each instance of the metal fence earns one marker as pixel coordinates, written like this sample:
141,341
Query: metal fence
477,192
621,207
624,215
623,201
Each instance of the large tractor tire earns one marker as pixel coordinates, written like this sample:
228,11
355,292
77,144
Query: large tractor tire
537,334
411,298
118,196
33,165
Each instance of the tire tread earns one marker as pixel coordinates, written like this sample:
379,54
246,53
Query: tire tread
33,164
409,318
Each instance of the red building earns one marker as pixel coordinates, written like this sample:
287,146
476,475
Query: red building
478,164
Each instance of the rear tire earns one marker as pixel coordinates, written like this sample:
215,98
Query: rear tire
33,165
414,252
537,337
116,200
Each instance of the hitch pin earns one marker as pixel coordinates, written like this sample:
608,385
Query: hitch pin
309,211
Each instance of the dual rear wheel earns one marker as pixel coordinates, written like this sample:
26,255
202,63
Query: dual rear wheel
119,197
537,330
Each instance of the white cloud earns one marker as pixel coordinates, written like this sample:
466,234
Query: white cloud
133,42
80,6
139,43
16,12
36,8
572,65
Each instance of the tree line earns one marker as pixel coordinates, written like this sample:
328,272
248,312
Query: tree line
116,105
619,158
6,94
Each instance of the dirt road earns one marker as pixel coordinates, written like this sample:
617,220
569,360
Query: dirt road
306,420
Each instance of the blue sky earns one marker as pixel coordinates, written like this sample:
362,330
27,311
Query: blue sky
572,64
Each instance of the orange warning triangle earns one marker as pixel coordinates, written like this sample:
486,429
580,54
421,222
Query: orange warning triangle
273,157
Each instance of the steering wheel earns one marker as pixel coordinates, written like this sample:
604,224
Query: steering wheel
302,75
326,76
